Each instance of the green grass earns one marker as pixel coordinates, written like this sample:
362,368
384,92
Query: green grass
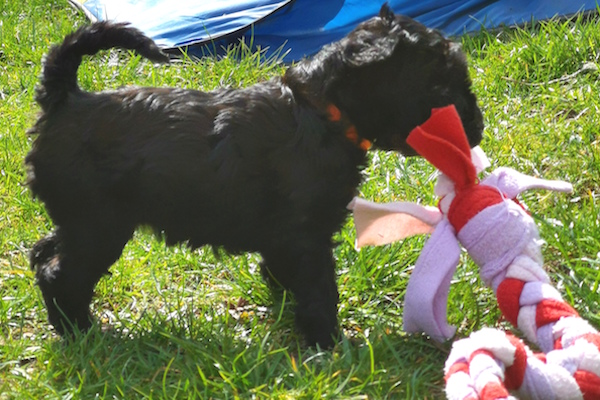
192,324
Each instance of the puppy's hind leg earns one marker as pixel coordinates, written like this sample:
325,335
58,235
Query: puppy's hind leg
68,265
310,275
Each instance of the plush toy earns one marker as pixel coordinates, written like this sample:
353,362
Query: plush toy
503,240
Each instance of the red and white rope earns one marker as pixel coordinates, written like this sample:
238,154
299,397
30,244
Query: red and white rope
491,363
504,241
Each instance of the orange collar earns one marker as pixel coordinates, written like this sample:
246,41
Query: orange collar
335,115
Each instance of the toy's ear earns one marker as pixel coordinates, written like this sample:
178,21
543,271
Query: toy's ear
378,224
512,182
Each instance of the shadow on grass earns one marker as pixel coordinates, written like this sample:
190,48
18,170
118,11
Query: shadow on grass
223,360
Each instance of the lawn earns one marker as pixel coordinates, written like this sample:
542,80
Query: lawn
181,323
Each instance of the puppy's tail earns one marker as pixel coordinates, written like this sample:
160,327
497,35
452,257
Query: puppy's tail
59,75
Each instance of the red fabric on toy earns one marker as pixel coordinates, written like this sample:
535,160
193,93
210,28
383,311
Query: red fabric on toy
589,384
593,338
541,357
516,372
442,141
460,366
558,344
508,294
481,351
493,391
470,202
549,311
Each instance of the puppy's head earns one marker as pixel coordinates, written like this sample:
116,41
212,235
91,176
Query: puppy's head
386,76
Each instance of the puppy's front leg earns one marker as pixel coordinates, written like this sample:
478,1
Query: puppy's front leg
309,272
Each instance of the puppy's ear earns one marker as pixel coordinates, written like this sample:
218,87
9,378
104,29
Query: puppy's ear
375,40
386,13
361,53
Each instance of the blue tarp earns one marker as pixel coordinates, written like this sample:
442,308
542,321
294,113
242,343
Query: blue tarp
302,27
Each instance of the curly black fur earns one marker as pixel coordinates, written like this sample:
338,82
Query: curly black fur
257,169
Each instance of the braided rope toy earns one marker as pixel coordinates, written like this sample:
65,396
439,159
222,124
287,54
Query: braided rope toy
503,240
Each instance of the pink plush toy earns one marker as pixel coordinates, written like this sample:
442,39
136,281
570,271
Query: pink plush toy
503,240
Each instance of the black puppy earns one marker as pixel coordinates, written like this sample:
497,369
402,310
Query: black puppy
268,169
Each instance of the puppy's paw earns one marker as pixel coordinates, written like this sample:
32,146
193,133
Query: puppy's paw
69,327
319,325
